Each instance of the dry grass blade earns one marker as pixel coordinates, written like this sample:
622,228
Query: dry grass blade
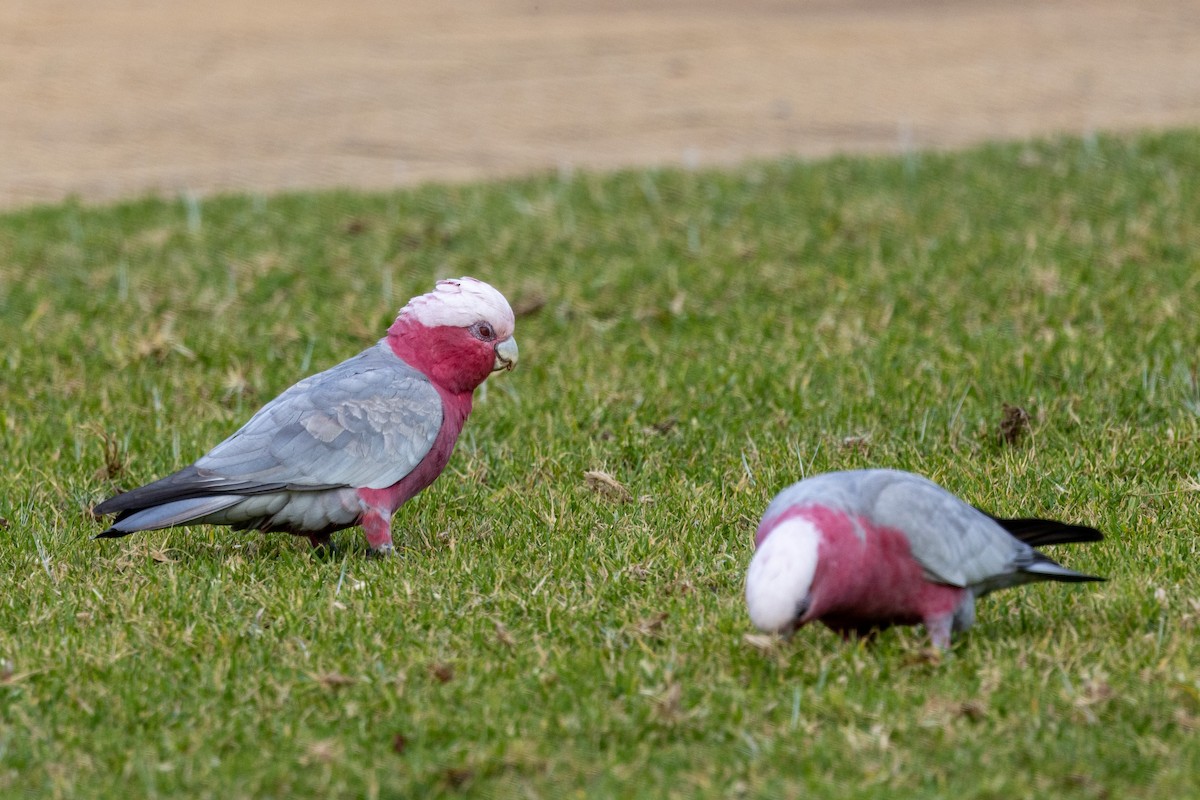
607,486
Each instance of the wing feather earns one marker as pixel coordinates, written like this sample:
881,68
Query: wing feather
367,422
953,542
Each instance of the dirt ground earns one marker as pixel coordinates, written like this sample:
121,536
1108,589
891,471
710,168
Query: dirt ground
124,97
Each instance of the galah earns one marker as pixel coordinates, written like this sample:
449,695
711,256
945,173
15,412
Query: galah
349,445
866,549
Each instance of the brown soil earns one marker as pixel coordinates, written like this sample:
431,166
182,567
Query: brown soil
124,97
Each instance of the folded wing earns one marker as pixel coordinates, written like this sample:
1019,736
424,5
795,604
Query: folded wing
366,422
959,545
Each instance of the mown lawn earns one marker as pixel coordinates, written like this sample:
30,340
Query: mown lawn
704,337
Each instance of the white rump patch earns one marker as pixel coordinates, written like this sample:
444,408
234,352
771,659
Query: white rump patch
460,303
781,574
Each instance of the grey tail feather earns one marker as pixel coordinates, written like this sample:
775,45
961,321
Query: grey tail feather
1051,570
1042,532
188,483
166,515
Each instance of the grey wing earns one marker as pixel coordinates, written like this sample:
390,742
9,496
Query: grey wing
367,422
952,541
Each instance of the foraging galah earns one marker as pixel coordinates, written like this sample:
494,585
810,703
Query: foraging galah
352,444
867,549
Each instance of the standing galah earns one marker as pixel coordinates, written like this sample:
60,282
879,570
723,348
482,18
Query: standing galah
352,444
867,549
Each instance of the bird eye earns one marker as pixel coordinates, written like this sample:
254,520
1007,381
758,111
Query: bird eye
485,331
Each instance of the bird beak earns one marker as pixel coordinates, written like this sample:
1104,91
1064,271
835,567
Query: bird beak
798,621
506,355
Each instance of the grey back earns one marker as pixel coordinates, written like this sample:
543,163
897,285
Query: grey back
953,542
366,422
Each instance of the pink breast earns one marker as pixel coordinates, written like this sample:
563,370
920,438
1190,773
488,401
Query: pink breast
866,574
455,409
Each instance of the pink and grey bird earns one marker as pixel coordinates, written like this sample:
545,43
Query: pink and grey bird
866,549
352,444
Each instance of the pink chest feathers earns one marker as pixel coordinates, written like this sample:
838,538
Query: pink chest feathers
866,574
455,409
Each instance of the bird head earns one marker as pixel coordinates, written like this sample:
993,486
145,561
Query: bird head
457,334
779,583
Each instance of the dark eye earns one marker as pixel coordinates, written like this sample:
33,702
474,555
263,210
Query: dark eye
485,331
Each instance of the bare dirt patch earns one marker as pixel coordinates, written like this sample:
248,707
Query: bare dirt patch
125,97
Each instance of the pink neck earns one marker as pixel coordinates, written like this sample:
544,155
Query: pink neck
449,356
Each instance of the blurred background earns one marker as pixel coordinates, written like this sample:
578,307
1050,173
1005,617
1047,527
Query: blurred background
128,97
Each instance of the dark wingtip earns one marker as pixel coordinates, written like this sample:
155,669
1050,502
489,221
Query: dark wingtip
1081,578
1042,532
112,533
110,506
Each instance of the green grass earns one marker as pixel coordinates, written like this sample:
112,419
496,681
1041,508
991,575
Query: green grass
706,338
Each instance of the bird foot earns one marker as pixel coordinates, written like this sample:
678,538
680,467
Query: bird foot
939,631
326,552
320,541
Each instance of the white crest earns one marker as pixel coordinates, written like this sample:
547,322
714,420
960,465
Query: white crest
460,303
781,574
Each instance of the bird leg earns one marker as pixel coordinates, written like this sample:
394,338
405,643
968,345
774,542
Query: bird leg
319,540
852,631
378,527
939,630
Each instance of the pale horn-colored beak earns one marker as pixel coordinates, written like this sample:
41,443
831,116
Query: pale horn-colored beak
506,354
